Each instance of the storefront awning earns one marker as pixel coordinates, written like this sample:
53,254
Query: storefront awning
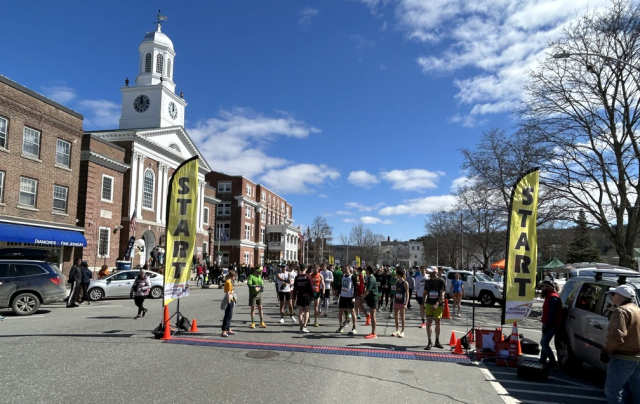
43,236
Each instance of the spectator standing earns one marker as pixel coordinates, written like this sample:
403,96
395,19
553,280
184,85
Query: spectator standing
86,280
551,320
75,278
140,291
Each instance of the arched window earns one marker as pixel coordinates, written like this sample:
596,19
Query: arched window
169,68
175,147
147,63
147,191
159,63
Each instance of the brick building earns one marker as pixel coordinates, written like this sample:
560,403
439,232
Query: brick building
257,224
39,174
126,171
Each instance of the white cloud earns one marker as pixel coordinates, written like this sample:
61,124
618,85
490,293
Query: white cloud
349,220
323,196
411,180
362,179
297,178
363,208
59,94
100,113
343,212
498,39
420,206
361,42
305,17
374,220
384,26
235,142
461,181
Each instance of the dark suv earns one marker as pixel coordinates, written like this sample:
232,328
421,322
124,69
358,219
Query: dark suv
27,283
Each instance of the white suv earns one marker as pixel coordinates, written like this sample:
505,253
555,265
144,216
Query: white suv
487,291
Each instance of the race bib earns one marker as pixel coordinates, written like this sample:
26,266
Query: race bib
399,296
433,294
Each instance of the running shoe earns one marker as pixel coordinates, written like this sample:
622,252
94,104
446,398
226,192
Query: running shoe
390,315
423,325
316,324
253,325
281,320
359,318
293,319
353,332
438,344
340,330
371,336
231,332
459,315
263,325
395,334
224,334
428,347
305,329
325,314
401,334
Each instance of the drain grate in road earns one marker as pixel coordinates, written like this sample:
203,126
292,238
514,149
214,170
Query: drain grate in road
262,354
329,350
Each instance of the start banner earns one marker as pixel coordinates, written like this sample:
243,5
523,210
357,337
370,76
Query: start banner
182,205
522,249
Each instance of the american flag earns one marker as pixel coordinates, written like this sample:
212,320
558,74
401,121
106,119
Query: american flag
132,222
222,235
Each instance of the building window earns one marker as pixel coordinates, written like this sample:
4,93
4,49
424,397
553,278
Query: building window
205,216
249,190
147,63
4,125
1,186
28,191
247,232
226,229
147,192
261,259
159,63
31,142
224,187
246,258
169,68
107,188
247,212
60,198
224,209
205,248
262,216
103,242
417,248
264,197
63,153
262,234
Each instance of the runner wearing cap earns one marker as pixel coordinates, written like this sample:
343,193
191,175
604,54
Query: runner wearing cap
317,284
400,300
255,284
370,296
434,289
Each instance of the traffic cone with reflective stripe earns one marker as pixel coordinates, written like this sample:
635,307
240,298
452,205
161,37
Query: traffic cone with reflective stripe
167,326
194,326
453,341
458,350
514,343
445,314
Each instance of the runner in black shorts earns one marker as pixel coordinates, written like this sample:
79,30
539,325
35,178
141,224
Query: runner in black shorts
303,291
384,284
370,296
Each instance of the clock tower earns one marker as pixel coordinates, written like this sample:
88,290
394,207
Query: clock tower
152,101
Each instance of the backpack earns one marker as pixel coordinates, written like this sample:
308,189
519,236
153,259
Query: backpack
86,275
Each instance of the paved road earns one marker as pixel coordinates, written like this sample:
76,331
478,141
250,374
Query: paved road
99,353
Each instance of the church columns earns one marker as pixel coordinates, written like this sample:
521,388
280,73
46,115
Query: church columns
141,159
199,207
165,181
160,194
132,182
201,203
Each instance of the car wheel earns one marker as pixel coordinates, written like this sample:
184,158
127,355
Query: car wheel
487,299
96,294
567,360
25,304
156,292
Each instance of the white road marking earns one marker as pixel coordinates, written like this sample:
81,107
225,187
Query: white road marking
548,393
502,392
100,306
25,317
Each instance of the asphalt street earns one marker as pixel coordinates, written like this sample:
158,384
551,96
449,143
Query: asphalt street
99,353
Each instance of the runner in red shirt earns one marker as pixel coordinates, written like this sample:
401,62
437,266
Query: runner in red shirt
317,284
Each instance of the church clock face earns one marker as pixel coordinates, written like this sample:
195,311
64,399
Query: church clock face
141,103
173,110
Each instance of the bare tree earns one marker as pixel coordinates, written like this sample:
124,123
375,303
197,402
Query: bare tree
366,243
345,240
321,233
585,109
445,227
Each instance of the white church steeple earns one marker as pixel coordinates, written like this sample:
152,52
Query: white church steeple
152,102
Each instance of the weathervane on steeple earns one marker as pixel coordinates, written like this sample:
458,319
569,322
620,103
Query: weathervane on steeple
160,19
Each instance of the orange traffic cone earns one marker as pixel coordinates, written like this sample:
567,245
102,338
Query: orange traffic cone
470,337
458,350
514,343
445,314
167,326
453,341
194,326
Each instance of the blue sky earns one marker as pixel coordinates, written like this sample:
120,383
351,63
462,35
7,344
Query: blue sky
350,109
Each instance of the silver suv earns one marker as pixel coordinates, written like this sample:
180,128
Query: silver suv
487,291
25,284
586,317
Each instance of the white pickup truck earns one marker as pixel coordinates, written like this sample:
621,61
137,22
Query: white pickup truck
487,291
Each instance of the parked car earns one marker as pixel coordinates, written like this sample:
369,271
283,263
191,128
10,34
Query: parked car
585,314
25,284
486,291
119,285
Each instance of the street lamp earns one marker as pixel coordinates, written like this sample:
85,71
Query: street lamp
210,231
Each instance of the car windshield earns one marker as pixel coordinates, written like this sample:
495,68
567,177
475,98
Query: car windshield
483,278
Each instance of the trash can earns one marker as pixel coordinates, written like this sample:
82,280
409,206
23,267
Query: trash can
123,265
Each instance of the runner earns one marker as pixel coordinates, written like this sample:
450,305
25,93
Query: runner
360,286
292,278
456,292
412,285
284,292
327,274
337,283
255,283
370,296
303,292
420,280
384,284
347,299
378,277
317,284
392,290
434,289
400,300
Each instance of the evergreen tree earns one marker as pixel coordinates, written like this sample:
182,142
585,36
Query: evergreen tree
582,248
